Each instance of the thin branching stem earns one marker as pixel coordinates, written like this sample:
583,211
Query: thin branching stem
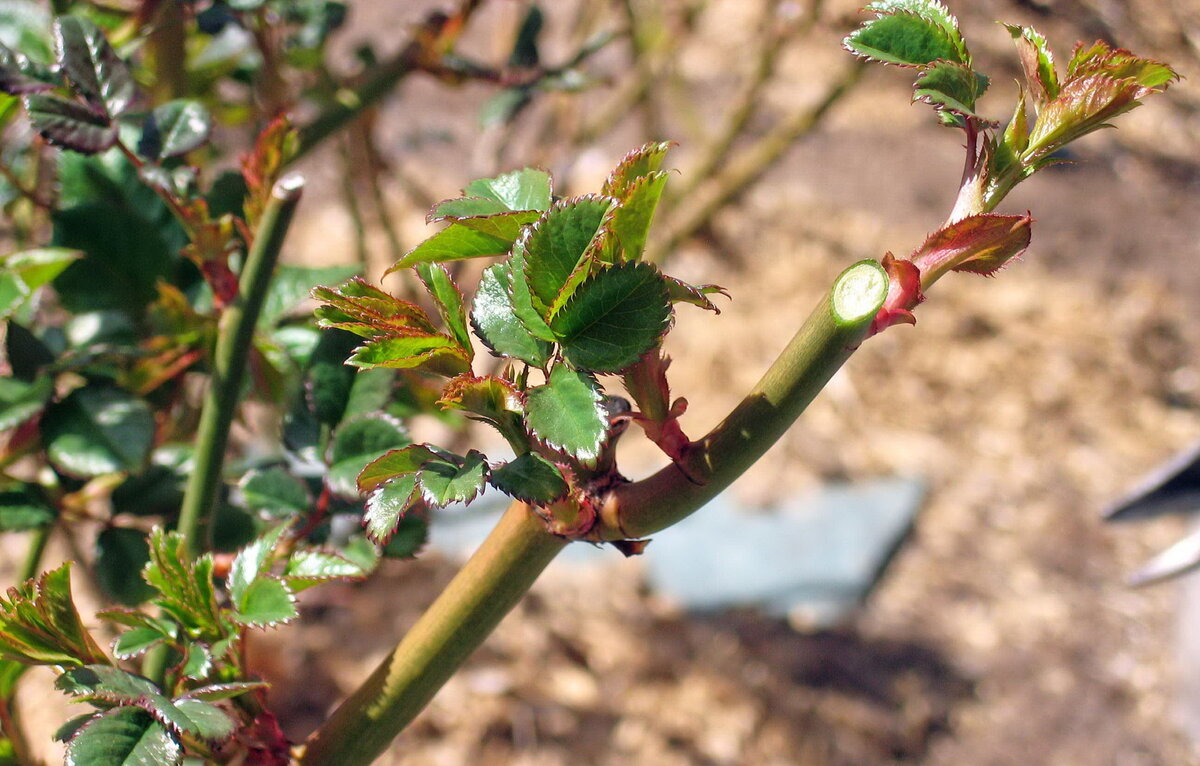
348,103
234,336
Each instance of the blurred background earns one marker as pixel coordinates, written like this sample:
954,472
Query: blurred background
1003,630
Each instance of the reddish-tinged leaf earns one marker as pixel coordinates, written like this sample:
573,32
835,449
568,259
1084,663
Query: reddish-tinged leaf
366,310
638,163
1038,63
1119,64
19,75
92,66
1101,83
904,294
70,124
487,397
697,295
980,244
261,168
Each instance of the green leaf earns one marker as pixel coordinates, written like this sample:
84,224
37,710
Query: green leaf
371,392
521,299
24,272
358,442
387,505
27,355
174,128
905,39
92,65
24,508
442,482
449,302
276,492
137,641
68,730
309,567
104,683
436,353
251,563
454,243
70,124
494,318
525,189
631,221
20,401
121,553
525,45
98,430
502,225
205,720
397,462
328,380
530,478
130,240
185,586
558,248
266,602
932,11
614,318
124,736
503,107
225,691
467,207
292,284
950,86
197,661
408,538
566,413
157,491
1038,63
639,163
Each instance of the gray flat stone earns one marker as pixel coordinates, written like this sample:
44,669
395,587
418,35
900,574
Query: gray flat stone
814,558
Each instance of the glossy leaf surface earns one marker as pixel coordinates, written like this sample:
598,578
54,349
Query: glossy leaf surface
566,413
